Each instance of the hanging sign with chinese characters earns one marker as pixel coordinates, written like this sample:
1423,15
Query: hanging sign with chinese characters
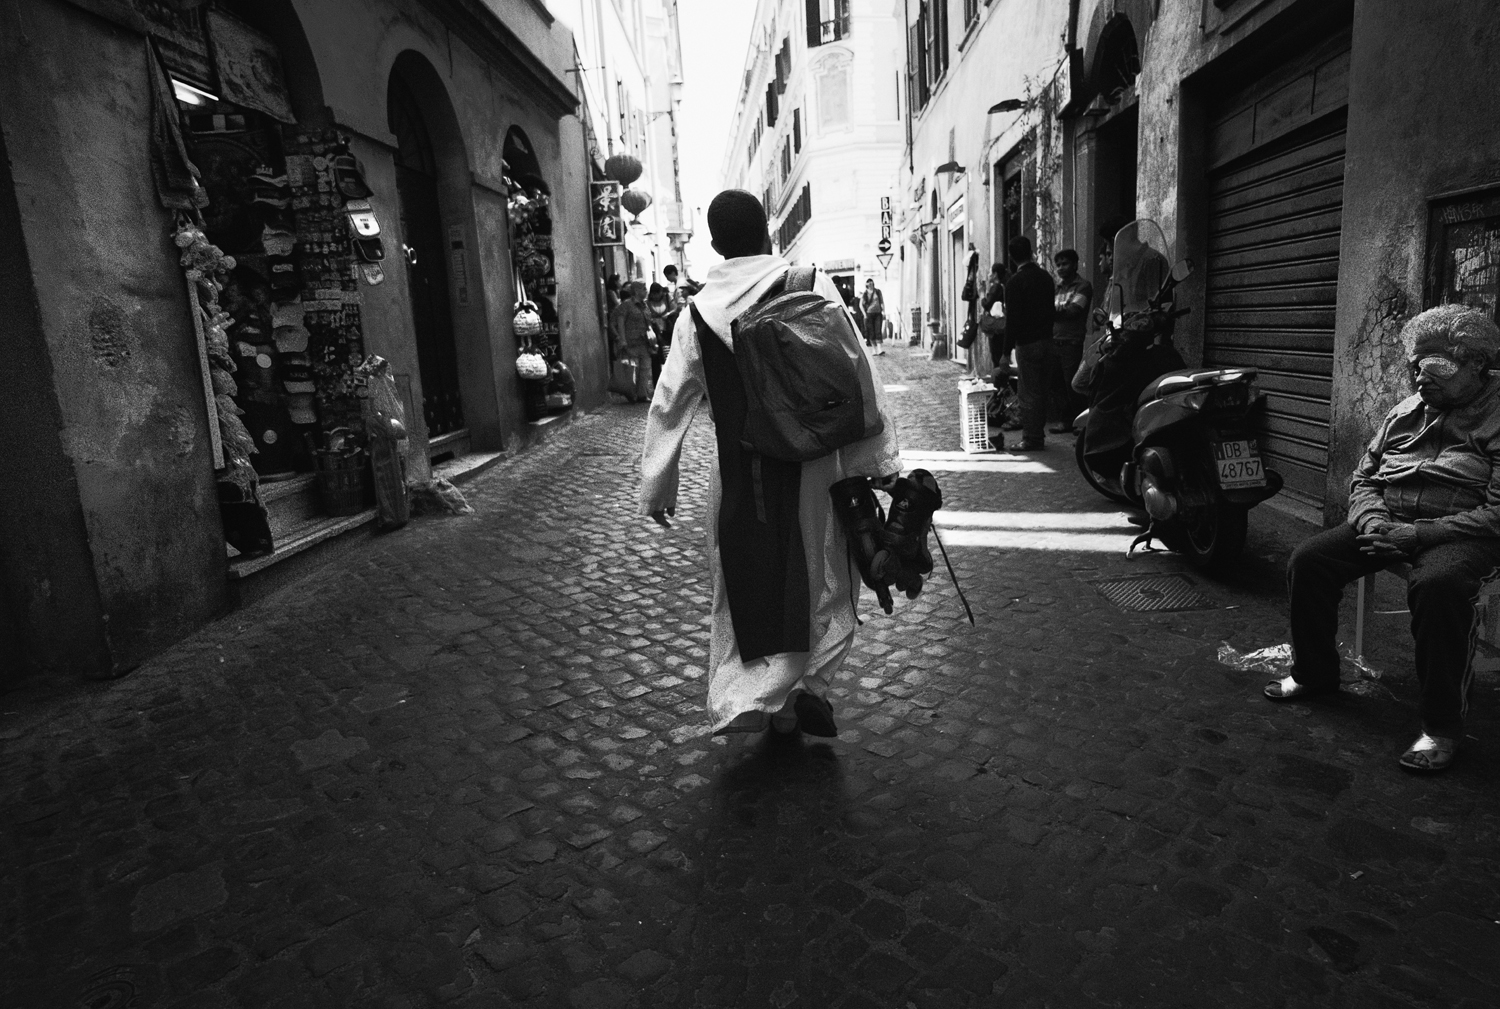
609,229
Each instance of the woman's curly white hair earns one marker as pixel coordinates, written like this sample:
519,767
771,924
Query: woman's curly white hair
1461,332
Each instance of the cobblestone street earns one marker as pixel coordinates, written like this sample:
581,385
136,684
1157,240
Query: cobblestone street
464,765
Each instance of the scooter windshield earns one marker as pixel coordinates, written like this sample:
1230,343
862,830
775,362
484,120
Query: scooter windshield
1140,268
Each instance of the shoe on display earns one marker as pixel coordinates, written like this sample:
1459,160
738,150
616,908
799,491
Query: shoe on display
859,513
904,556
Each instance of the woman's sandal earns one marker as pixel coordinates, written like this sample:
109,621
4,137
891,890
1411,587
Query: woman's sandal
1288,689
1429,754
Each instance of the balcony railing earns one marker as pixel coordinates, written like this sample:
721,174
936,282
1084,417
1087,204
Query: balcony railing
832,31
839,27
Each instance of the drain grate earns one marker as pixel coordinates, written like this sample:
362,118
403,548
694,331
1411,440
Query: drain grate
1153,594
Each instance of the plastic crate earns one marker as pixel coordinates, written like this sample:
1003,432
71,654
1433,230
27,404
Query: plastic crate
973,420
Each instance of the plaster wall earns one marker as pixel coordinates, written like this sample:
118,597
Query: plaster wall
1413,133
49,597
112,304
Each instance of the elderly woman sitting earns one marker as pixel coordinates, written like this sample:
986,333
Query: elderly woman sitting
1427,492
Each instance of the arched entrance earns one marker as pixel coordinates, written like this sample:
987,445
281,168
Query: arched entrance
1116,138
423,246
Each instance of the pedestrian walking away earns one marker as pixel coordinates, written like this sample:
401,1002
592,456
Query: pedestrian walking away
1029,297
1427,493
1069,326
771,531
872,307
630,324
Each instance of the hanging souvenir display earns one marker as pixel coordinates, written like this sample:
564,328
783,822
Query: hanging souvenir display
330,204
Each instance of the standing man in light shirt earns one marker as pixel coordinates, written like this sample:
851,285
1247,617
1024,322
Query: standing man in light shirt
1070,319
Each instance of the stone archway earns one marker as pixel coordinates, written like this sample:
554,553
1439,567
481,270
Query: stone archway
435,207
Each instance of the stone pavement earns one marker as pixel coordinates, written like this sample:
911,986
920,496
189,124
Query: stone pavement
464,767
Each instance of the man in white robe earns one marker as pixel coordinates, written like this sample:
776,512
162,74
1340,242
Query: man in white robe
748,696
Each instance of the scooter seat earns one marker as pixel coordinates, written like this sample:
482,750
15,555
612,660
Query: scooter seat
1186,378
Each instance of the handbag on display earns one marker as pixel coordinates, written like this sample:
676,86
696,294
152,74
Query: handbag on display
970,334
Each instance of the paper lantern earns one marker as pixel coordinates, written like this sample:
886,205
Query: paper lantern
635,201
623,168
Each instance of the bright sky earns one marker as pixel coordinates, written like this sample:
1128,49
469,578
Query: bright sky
715,34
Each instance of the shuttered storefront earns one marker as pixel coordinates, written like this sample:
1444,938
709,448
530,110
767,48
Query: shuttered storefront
1275,207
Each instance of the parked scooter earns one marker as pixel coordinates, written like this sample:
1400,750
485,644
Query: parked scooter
1177,442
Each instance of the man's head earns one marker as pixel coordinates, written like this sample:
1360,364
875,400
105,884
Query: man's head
737,224
670,272
1019,249
1107,246
1449,351
1066,262
638,290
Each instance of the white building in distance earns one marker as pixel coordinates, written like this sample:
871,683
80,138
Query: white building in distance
817,134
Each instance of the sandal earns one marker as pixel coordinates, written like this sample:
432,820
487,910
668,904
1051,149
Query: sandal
1429,754
1288,689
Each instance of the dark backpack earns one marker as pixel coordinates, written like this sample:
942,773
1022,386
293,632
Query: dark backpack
808,386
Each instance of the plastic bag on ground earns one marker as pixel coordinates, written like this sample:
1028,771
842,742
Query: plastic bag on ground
1277,660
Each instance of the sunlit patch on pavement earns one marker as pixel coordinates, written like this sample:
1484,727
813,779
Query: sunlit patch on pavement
897,388
1085,532
966,462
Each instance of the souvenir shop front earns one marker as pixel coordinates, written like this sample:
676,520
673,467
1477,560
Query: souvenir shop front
546,381
213,214
278,244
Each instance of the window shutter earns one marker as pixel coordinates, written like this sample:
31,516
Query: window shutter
771,109
814,23
797,130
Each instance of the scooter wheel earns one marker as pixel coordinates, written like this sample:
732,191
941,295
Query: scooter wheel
1095,480
1211,538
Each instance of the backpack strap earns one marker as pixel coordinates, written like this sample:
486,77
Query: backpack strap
800,278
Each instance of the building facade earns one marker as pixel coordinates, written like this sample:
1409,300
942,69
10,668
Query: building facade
817,131
1325,184
385,177
629,55
970,178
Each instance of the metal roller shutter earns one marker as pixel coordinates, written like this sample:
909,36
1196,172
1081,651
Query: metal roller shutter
1273,265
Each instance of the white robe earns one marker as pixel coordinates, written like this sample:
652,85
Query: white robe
742,695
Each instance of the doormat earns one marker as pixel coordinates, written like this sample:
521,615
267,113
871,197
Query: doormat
1153,594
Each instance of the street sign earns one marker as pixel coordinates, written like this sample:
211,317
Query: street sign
885,259
884,245
885,224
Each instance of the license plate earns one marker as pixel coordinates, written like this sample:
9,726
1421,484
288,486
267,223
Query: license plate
1239,464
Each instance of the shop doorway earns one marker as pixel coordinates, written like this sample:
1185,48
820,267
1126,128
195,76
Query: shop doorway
1275,217
845,283
426,268
958,274
1114,177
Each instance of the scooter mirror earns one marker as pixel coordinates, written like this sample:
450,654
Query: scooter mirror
1100,318
1182,270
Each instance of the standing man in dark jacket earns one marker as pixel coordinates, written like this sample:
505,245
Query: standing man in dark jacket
1029,295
